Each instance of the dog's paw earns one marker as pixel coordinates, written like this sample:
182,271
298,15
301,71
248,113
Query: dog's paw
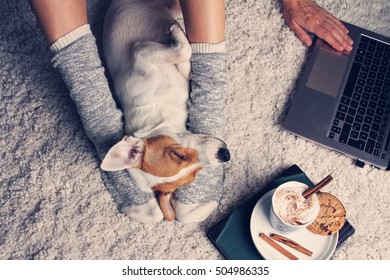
175,30
180,41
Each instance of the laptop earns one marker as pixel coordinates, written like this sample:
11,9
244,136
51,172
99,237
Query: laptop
342,100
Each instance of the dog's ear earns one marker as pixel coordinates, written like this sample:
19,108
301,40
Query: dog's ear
126,153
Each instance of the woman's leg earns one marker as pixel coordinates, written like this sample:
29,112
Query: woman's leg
76,57
205,22
58,17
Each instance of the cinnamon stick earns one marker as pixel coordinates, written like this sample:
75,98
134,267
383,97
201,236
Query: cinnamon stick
277,246
291,243
317,187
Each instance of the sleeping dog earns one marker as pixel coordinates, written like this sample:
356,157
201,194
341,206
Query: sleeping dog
147,55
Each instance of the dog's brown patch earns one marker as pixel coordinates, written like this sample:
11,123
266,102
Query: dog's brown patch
164,157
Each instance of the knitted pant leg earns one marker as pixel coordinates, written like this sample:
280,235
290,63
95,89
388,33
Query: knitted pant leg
194,203
80,66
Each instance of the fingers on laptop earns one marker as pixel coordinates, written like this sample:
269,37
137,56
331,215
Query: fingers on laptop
330,29
306,16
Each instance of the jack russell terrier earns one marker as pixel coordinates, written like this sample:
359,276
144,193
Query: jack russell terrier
147,55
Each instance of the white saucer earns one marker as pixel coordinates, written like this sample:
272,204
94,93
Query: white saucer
321,246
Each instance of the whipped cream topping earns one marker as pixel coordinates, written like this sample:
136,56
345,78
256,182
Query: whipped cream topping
293,208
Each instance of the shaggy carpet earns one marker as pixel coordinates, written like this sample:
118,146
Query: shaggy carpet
53,204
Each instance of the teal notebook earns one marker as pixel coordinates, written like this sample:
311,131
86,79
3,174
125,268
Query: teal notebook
232,235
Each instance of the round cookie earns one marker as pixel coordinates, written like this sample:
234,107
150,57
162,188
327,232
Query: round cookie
331,217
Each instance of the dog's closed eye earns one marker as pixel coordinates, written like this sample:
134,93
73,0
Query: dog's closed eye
177,156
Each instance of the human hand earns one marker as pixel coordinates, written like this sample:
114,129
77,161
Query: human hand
304,16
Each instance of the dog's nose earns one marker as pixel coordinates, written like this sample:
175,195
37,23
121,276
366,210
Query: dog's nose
223,155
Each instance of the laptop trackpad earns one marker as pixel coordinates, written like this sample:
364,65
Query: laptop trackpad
328,71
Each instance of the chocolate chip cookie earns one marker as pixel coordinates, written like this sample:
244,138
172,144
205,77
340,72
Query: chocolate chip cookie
331,217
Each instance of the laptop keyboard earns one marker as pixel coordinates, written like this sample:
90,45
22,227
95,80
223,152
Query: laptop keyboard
364,108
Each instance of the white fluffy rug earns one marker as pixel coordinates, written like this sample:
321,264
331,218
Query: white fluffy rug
53,204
